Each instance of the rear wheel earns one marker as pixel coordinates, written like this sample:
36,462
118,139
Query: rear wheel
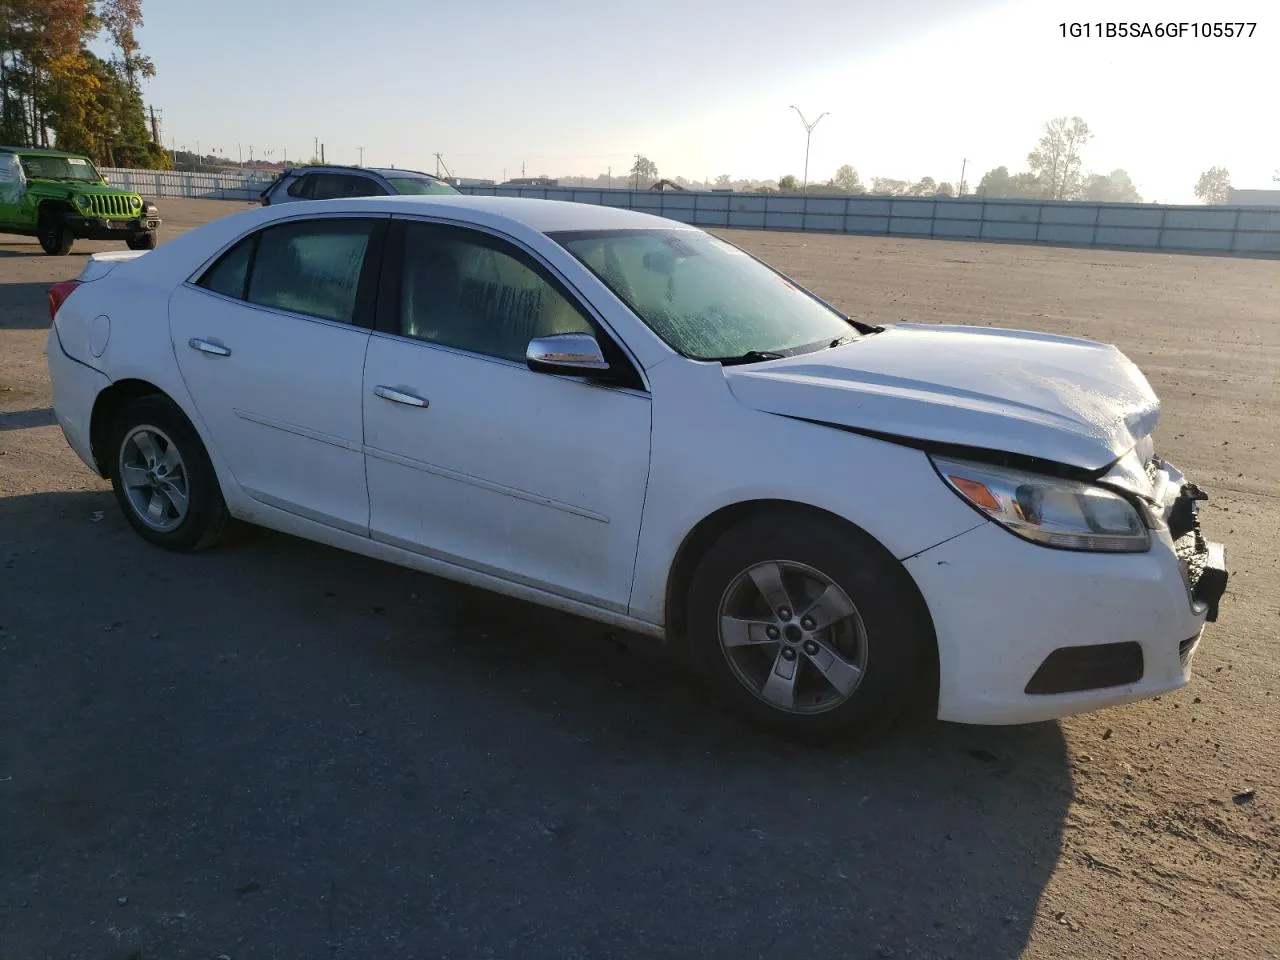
162,477
809,627
54,234
146,241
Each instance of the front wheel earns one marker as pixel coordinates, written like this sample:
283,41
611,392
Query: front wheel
146,241
162,477
810,627
53,233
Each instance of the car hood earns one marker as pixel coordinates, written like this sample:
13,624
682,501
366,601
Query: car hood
1062,399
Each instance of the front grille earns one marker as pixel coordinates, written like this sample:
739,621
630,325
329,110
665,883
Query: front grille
111,205
1187,650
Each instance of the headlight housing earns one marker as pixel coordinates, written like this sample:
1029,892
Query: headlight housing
82,201
1048,510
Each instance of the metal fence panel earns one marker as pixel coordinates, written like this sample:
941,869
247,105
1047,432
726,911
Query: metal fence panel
1236,229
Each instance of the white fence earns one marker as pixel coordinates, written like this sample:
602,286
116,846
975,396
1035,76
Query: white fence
1249,230
201,186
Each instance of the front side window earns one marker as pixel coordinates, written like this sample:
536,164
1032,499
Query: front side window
311,267
462,289
706,298
417,186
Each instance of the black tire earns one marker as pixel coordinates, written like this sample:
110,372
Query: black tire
206,514
895,636
54,234
146,241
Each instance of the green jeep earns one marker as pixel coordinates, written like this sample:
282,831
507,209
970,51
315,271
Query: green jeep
59,197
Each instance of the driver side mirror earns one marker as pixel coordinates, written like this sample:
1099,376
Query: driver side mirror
575,354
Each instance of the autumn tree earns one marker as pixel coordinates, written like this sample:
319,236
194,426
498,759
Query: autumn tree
55,92
1214,185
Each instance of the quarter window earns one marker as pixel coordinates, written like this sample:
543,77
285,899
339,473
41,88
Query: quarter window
311,267
301,187
465,290
229,272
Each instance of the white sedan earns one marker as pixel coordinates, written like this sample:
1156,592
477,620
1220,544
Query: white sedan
627,418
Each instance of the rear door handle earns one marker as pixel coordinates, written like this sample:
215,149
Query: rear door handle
400,396
212,349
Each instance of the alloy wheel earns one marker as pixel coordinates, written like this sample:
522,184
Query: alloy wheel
792,637
155,478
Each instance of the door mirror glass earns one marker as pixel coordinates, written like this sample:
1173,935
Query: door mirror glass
572,353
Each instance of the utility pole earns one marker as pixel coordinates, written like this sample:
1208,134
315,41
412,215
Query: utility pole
522,176
315,150
808,133
960,188
240,154
361,149
322,153
610,175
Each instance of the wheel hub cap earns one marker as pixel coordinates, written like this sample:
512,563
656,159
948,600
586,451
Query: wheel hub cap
792,636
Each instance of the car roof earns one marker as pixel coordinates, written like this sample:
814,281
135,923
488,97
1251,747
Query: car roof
381,171
544,216
43,152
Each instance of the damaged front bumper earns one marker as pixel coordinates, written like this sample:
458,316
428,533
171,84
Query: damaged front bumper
1203,563
1027,633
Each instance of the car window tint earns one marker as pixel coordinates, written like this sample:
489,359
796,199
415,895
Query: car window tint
311,267
464,290
364,187
301,187
229,271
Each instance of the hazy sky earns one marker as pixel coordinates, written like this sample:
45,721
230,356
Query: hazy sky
703,87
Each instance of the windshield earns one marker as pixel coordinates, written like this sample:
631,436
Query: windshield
706,298
59,168
419,185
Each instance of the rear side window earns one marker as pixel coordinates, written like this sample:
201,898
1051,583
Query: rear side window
229,272
311,267
301,187
331,186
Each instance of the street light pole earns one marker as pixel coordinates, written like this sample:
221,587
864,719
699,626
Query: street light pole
808,133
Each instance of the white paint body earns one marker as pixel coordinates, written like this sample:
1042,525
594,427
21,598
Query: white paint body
579,496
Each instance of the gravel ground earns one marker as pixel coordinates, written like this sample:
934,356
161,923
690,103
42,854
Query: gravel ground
279,750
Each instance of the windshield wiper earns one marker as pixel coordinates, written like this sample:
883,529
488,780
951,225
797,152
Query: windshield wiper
751,356
841,341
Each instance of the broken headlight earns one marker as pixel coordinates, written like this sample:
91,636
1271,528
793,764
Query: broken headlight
1048,510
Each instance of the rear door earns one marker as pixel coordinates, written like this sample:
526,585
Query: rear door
271,342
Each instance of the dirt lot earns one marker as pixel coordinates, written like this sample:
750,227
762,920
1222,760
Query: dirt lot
277,749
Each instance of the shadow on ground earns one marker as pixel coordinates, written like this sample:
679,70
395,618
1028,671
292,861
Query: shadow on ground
21,419
277,743
24,306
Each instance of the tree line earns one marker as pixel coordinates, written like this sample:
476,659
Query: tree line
1055,171
56,92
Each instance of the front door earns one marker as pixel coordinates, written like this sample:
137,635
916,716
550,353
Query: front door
473,458
271,342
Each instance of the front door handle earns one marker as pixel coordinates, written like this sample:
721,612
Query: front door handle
400,396
212,349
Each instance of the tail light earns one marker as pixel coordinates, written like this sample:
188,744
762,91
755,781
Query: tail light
58,294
